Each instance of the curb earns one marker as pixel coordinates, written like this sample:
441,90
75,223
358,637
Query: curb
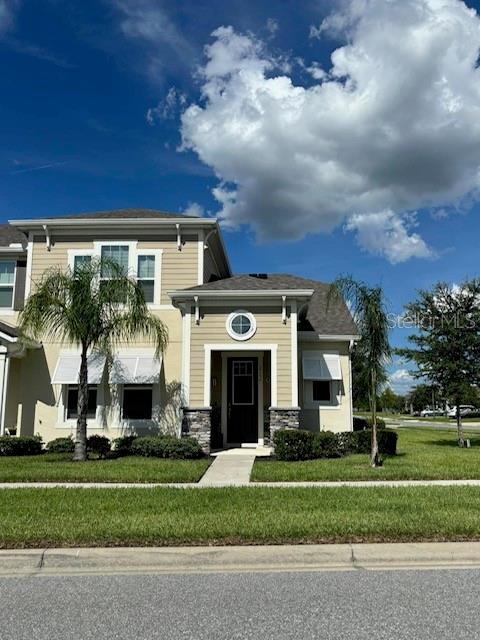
224,559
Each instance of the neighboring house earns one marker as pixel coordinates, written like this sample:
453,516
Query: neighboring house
247,354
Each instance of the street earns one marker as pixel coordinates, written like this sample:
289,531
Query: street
353,604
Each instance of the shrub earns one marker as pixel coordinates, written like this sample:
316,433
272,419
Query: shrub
326,444
166,447
21,446
361,424
360,441
293,444
61,445
99,445
123,446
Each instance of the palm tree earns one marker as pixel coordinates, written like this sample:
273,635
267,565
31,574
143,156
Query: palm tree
96,307
368,308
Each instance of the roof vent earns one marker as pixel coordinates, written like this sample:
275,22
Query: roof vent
261,276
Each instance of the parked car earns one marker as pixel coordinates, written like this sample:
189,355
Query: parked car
431,413
465,410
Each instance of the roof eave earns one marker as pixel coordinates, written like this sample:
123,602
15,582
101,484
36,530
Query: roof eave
188,294
38,223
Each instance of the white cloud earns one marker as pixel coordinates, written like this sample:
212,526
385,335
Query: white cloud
272,26
149,23
168,107
194,209
401,381
394,125
387,234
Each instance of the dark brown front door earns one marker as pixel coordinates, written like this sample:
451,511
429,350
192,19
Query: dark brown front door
242,400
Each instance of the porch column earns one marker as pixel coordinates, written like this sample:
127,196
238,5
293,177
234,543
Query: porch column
283,418
197,424
4,361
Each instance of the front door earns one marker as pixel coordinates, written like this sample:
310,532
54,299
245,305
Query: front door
242,400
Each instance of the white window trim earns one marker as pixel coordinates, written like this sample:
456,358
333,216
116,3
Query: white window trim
74,253
157,285
253,325
13,285
132,423
335,403
70,423
132,251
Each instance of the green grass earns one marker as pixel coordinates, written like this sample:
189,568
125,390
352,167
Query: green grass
121,517
422,455
60,468
407,417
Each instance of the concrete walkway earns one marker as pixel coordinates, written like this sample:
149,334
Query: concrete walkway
211,559
240,470
229,469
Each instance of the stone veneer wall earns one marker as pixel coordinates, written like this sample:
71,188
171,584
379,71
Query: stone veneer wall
197,424
283,419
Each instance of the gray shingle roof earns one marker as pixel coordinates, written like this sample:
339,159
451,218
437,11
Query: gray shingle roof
337,320
10,235
124,213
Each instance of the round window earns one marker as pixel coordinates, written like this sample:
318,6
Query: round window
241,325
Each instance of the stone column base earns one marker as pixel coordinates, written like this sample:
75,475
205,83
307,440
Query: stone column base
288,418
197,424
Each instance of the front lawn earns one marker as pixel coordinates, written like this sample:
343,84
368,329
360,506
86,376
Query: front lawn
58,467
163,516
422,455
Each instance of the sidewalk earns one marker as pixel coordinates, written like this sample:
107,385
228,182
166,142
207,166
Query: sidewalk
224,559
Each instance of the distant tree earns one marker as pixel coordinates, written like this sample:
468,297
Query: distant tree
77,307
360,380
446,346
368,308
422,396
390,401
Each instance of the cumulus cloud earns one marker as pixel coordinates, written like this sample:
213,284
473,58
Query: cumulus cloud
387,234
194,209
393,126
401,381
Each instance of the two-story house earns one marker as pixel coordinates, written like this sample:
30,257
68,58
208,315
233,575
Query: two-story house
247,354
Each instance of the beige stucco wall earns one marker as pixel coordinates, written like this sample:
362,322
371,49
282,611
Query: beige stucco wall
212,330
337,417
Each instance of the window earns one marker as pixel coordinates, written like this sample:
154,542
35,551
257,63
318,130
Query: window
115,253
146,276
7,280
137,403
242,382
241,325
321,391
72,401
79,261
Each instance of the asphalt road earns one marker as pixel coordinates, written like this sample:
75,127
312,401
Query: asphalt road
408,604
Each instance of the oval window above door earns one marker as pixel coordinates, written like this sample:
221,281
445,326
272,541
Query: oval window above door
241,325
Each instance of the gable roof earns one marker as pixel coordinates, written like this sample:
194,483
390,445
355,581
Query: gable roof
336,320
124,214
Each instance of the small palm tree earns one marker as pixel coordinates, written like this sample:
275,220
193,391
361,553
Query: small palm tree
78,307
368,308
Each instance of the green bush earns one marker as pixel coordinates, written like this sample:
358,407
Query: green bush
361,424
166,447
21,446
61,445
326,444
360,441
123,446
293,444
99,445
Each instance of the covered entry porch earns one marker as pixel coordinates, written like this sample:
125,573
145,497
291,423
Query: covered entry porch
242,388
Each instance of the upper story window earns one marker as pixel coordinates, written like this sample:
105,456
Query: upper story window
80,260
146,276
241,325
7,283
115,253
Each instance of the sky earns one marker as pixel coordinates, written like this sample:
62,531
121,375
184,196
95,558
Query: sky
329,137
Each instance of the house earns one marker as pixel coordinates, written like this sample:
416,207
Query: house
247,354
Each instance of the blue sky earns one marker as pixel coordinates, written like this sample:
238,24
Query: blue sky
79,79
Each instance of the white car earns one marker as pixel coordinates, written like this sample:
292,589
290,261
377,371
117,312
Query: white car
431,413
465,409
